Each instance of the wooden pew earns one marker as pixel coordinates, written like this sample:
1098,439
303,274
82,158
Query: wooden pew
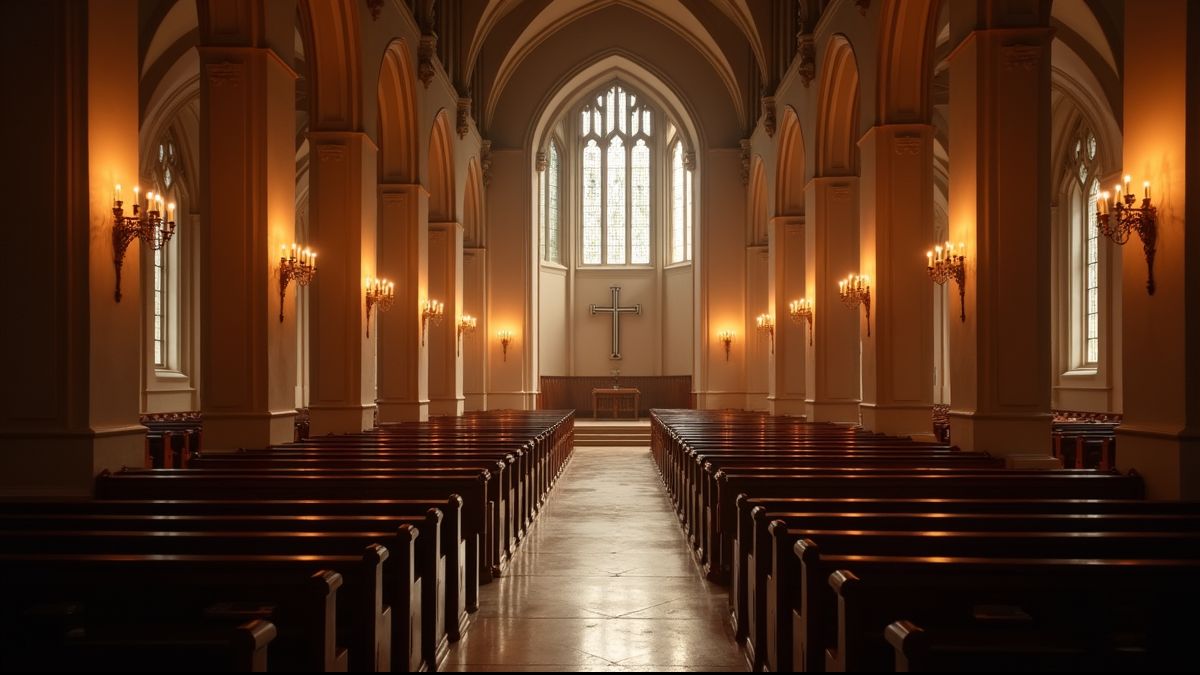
818,606
364,618
771,597
1114,615
414,571
298,593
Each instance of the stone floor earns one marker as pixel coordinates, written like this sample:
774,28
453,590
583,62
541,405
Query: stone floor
604,582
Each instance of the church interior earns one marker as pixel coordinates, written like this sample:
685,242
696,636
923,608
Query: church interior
601,335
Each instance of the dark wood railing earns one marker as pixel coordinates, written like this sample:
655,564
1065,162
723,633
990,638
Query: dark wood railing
658,391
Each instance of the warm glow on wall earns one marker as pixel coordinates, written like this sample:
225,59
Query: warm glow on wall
726,337
506,337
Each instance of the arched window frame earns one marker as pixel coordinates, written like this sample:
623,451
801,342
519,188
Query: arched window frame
616,137
681,204
550,203
161,267
1087,305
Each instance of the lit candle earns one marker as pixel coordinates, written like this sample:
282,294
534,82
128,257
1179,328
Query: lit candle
313,260
117,193
1127,179
171,211
136,190
1103,205
1145,185
282,251
150,200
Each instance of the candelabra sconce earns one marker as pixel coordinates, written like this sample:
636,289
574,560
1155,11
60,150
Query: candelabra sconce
726,337
506,337
766,324
946,263
147,225
856,290
1118,218
465,325
299,264
802,310
433,311
379,293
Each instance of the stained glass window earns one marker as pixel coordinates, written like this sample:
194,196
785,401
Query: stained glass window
1087,170
550,205
165,177
681,207
617,189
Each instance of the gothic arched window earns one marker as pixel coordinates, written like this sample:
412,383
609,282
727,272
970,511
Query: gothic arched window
550,205
163,292
681,205
615,136
1086,156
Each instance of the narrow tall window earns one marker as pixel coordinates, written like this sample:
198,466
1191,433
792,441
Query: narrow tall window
616,189
166,176
681,206
1087,161
550,205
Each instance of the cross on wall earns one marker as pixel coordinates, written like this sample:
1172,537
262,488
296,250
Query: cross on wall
616,310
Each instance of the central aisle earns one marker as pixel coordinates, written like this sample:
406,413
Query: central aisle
604,582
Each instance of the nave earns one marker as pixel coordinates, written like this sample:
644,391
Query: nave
605,582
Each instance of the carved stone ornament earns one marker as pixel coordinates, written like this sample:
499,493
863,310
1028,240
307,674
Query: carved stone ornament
331,153
224,73
539,161
463,120
1020,56
485,162
745,161
425,55
768,115
907,145
426,16
807,54
376,7
689,160
863,6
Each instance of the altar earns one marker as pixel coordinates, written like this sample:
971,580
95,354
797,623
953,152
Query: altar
654,391
618,400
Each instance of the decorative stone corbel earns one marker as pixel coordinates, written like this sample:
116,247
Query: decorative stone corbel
485,162
863,6
376,7
745,142
426,52
463,120
768,115
689,160
807,53
540,162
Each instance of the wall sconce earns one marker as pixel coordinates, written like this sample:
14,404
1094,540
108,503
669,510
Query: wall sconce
946,264
300,264
856,290
431,310
506,337
1118,218
802,309
726,336
149,226
379,292
766,324
465,325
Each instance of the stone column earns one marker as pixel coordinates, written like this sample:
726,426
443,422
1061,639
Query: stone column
446,285
786,271
70,393
1000,208
247,197
342,206
895,230
1160,436
403,257
832,386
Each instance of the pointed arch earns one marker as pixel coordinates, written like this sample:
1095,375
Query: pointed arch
441,170
472,213
757,214
398,156
838,110
907,32
789,175
330,29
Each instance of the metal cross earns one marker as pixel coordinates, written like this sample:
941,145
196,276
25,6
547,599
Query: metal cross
616,310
